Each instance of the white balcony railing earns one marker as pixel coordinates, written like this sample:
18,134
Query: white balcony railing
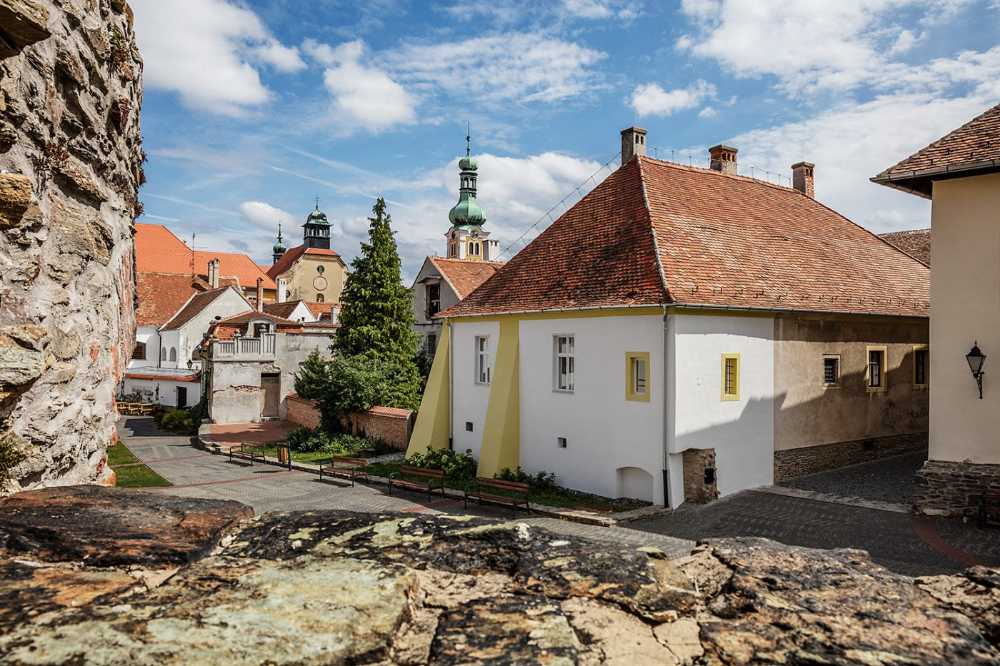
246,349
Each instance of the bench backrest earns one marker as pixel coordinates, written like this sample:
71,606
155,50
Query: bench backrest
347,460
515,486
422,471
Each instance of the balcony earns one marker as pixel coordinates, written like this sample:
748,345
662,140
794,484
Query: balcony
246,349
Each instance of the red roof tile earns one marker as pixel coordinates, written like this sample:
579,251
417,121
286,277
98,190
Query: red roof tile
660,233
465,276
916,243
158,250
233,265
164,377
320,309
193,307
292,254
973,147
161,295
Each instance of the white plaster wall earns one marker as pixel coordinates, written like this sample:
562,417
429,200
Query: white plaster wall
167,390
149,336
605,432
291,351
227,304
469,399
170,340
742,431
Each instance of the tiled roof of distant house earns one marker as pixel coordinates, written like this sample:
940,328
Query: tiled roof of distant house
233,264
916,243
465,276
293,253
320,310
660,233
193,307
228,328
158,250
283,310
972,148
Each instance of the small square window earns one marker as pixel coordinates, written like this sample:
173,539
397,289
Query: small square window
561,442
831,370
468,426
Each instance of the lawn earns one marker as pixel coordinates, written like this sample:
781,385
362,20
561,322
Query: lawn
130,470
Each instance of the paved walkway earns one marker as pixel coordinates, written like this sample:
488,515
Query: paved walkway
198,473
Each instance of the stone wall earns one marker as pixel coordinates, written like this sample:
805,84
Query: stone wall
70,168
792,463
700,482
303,412
946,488
387,424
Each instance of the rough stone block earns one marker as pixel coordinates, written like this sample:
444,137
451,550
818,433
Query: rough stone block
22,23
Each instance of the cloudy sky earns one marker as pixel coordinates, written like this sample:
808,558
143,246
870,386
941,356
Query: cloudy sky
255,108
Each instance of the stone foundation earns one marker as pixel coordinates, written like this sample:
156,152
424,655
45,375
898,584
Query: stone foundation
951,488
701,484
793,463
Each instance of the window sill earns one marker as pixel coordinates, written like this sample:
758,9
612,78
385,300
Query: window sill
730,398
566,391
921,387
831,386
875,389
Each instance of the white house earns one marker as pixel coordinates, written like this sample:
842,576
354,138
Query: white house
163,368
683,333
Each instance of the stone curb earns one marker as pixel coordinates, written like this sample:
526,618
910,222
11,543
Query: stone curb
572,515
835,499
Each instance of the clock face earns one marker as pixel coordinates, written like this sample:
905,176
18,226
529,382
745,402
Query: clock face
320,283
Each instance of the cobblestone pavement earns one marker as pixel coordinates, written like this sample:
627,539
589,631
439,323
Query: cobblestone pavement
905,543
198,473
886,480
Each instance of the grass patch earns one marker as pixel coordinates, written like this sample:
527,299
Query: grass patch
130,471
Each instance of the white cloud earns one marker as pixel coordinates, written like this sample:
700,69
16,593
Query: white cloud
807,45
708,112
266,216
513,67
649,99
203,50
363,95
601,9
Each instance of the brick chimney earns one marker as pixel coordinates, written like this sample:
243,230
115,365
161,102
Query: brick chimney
633,143
802,178
213,273
722,158
260,294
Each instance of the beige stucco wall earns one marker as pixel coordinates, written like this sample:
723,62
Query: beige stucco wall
807,413
965,307
303,273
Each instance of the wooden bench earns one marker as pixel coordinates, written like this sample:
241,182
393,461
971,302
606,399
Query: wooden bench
345,466
252,450
424,480
498,491
989,509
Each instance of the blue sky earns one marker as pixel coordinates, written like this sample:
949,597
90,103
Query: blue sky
253,109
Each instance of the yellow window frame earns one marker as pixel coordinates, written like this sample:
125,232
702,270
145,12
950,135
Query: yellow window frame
734,395
630,388
884,380
927,368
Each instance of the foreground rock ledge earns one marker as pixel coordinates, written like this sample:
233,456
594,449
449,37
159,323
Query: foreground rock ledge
130,577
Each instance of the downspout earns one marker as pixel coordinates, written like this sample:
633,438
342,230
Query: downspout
666,406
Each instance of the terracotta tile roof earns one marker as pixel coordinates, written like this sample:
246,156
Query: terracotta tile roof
660,233
292,254
283,310
320,309
194,306
233,265
161,295
394,412
465,276
164,376
158,250
916,243
975,146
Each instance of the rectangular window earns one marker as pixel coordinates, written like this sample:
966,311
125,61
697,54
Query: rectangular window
139,353
482,359
433,299
637,376
831,370
432,343
730,376
921,362
876,372
565,363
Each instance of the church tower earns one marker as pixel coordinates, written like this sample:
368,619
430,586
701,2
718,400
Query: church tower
279,247
316,230
466,238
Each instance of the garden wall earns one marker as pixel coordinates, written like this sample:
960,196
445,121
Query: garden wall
389,424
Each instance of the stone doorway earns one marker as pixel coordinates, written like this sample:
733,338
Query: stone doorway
271,386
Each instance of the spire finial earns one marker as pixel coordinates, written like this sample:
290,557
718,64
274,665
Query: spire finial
279,232
468,139
317,203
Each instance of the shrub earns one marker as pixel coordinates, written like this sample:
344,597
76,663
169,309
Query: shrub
312,381
177,420
539,481
344,444
456,466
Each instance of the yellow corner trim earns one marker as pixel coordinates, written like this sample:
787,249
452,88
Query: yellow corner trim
630,388
730,396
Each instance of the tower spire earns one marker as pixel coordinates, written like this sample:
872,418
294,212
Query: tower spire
279,246
468,139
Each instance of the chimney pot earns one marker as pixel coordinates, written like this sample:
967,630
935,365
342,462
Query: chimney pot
802,178
722,158
213,273
633,143
260,294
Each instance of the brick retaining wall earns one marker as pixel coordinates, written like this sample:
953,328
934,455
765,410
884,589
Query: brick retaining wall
391,425
302,412
792,463
946,488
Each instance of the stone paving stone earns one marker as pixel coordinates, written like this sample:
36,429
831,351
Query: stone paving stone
888,480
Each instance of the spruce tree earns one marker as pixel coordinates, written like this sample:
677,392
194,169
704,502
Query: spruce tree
376,316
